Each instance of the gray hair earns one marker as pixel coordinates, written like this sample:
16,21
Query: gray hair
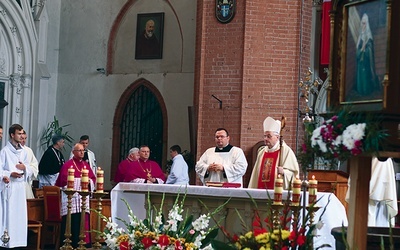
57,138
133,150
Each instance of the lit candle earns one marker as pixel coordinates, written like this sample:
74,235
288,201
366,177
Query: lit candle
85,180
278,190
100,180
71,178
296,192
312,190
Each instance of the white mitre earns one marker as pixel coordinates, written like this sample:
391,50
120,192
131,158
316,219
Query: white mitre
272,125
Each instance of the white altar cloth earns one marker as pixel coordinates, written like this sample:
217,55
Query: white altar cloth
135,195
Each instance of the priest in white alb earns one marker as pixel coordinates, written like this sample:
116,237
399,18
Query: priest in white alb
222,163
273,159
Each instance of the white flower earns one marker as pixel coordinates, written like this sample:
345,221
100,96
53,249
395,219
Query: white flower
319,225
316,139
208,247
197,241
353,133
201,222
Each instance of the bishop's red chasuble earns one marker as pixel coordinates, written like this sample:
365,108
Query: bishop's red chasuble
266,178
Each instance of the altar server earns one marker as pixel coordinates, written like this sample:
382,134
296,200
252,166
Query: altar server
179,169
33,163
15,169
273,159
223,163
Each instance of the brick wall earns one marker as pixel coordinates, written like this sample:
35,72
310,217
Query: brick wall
252,65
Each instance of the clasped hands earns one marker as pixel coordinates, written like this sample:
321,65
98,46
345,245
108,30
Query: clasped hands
215,167
19,166
151,180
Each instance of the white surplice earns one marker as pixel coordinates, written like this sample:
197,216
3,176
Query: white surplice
382,206
13,198
234,162
34,164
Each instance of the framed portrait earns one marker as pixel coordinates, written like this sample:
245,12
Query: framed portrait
364,53
149,36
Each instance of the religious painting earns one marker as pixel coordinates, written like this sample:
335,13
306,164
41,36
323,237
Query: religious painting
365,40
267,170
149,36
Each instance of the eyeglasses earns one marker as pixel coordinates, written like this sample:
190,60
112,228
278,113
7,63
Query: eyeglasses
220,136
80,150
269,136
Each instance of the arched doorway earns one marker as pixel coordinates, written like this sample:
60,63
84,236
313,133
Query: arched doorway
140,119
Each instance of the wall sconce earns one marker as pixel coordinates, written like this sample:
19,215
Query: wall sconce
220,101
101,70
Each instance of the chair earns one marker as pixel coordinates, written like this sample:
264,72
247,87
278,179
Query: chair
52,214
36,227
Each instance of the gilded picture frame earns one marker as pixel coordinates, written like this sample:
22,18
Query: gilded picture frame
364,56
149,36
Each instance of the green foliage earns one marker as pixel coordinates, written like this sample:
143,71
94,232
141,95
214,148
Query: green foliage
54,128
329,140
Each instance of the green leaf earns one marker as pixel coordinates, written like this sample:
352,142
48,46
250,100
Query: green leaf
219,245
211,235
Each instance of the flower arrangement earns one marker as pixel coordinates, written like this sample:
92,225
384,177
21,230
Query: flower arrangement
340,137
176,232
269,234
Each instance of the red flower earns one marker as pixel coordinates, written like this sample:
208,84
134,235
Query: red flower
301,239
124,245
256,221
178,245
147,242
304,147
163,240
235,238
259,231
292,235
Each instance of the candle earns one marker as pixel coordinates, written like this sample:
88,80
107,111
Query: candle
296,192
85,180
312,190
71,178
278,190
100,181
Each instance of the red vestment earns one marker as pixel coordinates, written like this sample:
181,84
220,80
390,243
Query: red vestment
144,169
266,178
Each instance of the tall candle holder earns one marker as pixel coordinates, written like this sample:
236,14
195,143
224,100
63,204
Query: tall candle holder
295,215
304,186
99,197
276,212
67,241
311,212
81,243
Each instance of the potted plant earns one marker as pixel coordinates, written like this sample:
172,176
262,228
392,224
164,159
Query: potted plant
54,128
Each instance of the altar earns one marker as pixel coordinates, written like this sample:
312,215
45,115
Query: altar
136,195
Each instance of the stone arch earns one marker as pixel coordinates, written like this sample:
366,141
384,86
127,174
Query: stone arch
119,119
17,57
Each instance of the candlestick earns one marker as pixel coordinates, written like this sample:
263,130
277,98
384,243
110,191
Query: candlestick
71,178
278,190
312,191
296,192
85,180
100,181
